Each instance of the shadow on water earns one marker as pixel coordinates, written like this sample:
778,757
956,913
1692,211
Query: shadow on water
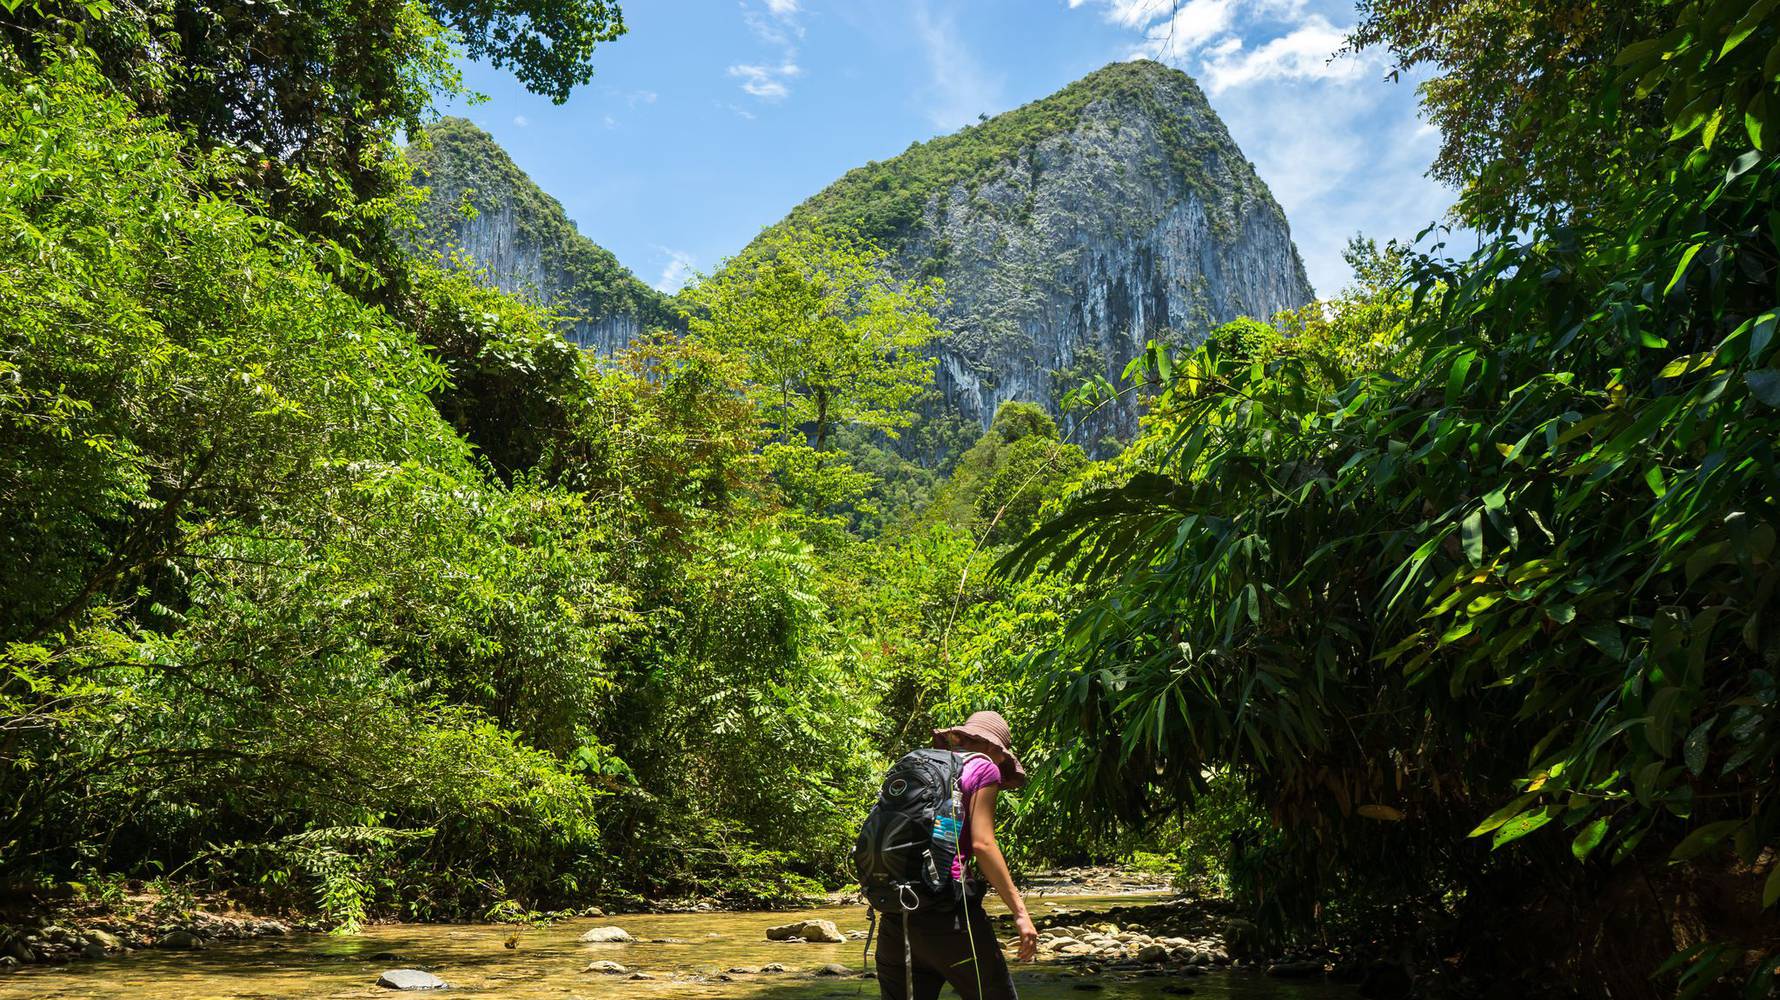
685,953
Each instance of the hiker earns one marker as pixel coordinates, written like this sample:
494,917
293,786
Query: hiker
958,945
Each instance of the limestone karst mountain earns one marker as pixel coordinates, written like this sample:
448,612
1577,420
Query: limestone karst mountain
524,241
1072,230
1069,232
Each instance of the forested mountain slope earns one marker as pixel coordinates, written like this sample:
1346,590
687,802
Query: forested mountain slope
1073,229
524,240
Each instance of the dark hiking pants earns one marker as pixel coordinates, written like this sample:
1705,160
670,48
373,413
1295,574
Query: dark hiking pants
942,953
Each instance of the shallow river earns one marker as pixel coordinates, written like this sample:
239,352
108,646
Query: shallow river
678,949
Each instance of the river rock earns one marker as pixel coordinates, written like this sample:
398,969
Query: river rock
1152,953
772,967
8,963
607,966
180,939
745,970
410,979
93,950
823,931
105,939
834,969
641,975
18,951
607,935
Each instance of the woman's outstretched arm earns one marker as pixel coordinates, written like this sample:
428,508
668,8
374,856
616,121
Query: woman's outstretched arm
994,866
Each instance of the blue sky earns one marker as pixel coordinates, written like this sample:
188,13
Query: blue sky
712,118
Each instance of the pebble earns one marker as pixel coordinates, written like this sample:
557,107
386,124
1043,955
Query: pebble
605,965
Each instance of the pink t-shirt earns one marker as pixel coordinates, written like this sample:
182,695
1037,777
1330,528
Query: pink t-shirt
979,772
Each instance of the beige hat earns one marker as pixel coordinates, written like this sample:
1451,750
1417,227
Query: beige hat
990,728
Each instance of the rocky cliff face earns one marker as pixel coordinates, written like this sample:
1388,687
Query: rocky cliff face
1071,231
525,243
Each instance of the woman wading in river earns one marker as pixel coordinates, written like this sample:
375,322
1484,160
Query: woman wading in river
938,948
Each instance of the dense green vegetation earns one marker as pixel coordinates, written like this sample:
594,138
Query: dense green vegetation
1441,610
1473,597
338,577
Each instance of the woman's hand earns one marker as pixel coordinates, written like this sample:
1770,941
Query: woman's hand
1028,937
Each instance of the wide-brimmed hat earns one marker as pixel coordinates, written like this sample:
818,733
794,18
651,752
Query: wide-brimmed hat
992,729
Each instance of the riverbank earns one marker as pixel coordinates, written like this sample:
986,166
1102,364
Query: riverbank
1097,926
76,926
662,956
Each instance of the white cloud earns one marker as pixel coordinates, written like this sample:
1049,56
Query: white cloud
766,82
778,27
637,97
611,122
521,121
959,87
681,267
1307,53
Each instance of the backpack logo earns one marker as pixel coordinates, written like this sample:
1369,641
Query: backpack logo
896,787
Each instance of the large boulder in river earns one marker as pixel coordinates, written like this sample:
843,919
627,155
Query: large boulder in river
180,939
410,979
607,935
810,930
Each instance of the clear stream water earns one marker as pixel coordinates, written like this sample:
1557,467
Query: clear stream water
681,950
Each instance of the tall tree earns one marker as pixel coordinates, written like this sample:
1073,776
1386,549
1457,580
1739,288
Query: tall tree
1516,88
828,334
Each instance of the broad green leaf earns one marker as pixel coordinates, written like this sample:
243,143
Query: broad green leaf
1502,815
1695,747
1471,537
1687,257
1702,838
1761,335
1520,826
1589,838
1764,384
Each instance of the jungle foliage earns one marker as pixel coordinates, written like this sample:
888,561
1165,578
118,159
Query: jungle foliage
1477,603
1444,607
